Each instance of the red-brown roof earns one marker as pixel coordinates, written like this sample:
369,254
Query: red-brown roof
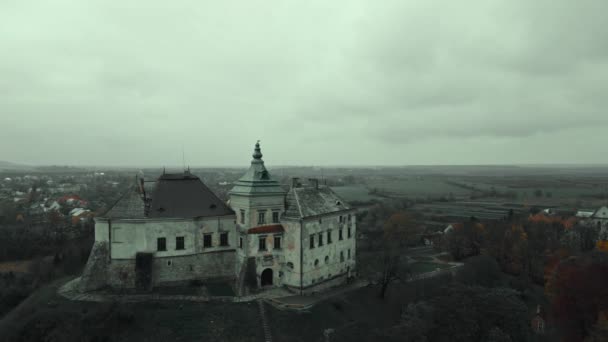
275,228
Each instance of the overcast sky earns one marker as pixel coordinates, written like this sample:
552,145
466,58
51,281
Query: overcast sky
101,82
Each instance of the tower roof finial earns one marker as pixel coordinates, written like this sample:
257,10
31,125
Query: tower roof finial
257,152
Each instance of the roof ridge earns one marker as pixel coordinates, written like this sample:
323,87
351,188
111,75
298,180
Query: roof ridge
130,190
295,194
214,195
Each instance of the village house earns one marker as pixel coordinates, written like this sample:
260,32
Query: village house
176,230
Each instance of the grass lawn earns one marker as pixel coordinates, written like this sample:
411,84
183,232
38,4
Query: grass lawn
425,266
219,289
47,316
422,258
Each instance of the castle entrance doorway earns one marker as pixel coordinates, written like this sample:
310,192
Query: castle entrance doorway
267,277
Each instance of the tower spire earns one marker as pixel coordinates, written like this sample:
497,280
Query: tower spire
257,152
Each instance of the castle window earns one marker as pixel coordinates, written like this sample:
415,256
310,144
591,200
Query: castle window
328,236
349,233
312,241
348,254
224,239
340,237
275,217
341,219
262,243
161,244
179,242
242,216
261,217
326,259
316,262
320,239
207,240
290,265
277,242
341,256
241,242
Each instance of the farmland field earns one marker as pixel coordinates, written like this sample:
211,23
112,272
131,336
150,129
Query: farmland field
418,187
355,193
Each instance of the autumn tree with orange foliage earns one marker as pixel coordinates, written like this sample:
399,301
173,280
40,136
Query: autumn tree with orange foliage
465,240
579,295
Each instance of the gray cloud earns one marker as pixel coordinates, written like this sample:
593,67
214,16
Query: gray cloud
98,82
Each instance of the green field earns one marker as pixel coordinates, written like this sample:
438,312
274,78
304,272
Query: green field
355,193
418,187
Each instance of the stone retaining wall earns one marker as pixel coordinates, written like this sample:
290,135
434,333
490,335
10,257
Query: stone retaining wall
175,270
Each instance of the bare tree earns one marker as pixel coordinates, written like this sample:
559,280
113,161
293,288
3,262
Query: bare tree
389,262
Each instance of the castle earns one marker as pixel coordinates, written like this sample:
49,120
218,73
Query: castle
176,230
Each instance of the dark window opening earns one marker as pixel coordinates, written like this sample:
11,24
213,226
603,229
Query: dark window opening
326,259
179,243
242,216
340,237
224,239
262,243
341,256
161,244
349,232
328,236
320,239
207,240
348,254
275,217
312,241
316,262
261,217
277,242
240,242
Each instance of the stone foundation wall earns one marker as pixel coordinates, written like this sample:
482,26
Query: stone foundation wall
121,273
199,266
176,270
95,273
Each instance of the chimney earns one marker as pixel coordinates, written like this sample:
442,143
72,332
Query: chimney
314,182
141,186
294,182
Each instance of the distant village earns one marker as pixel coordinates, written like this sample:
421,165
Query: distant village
55,198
